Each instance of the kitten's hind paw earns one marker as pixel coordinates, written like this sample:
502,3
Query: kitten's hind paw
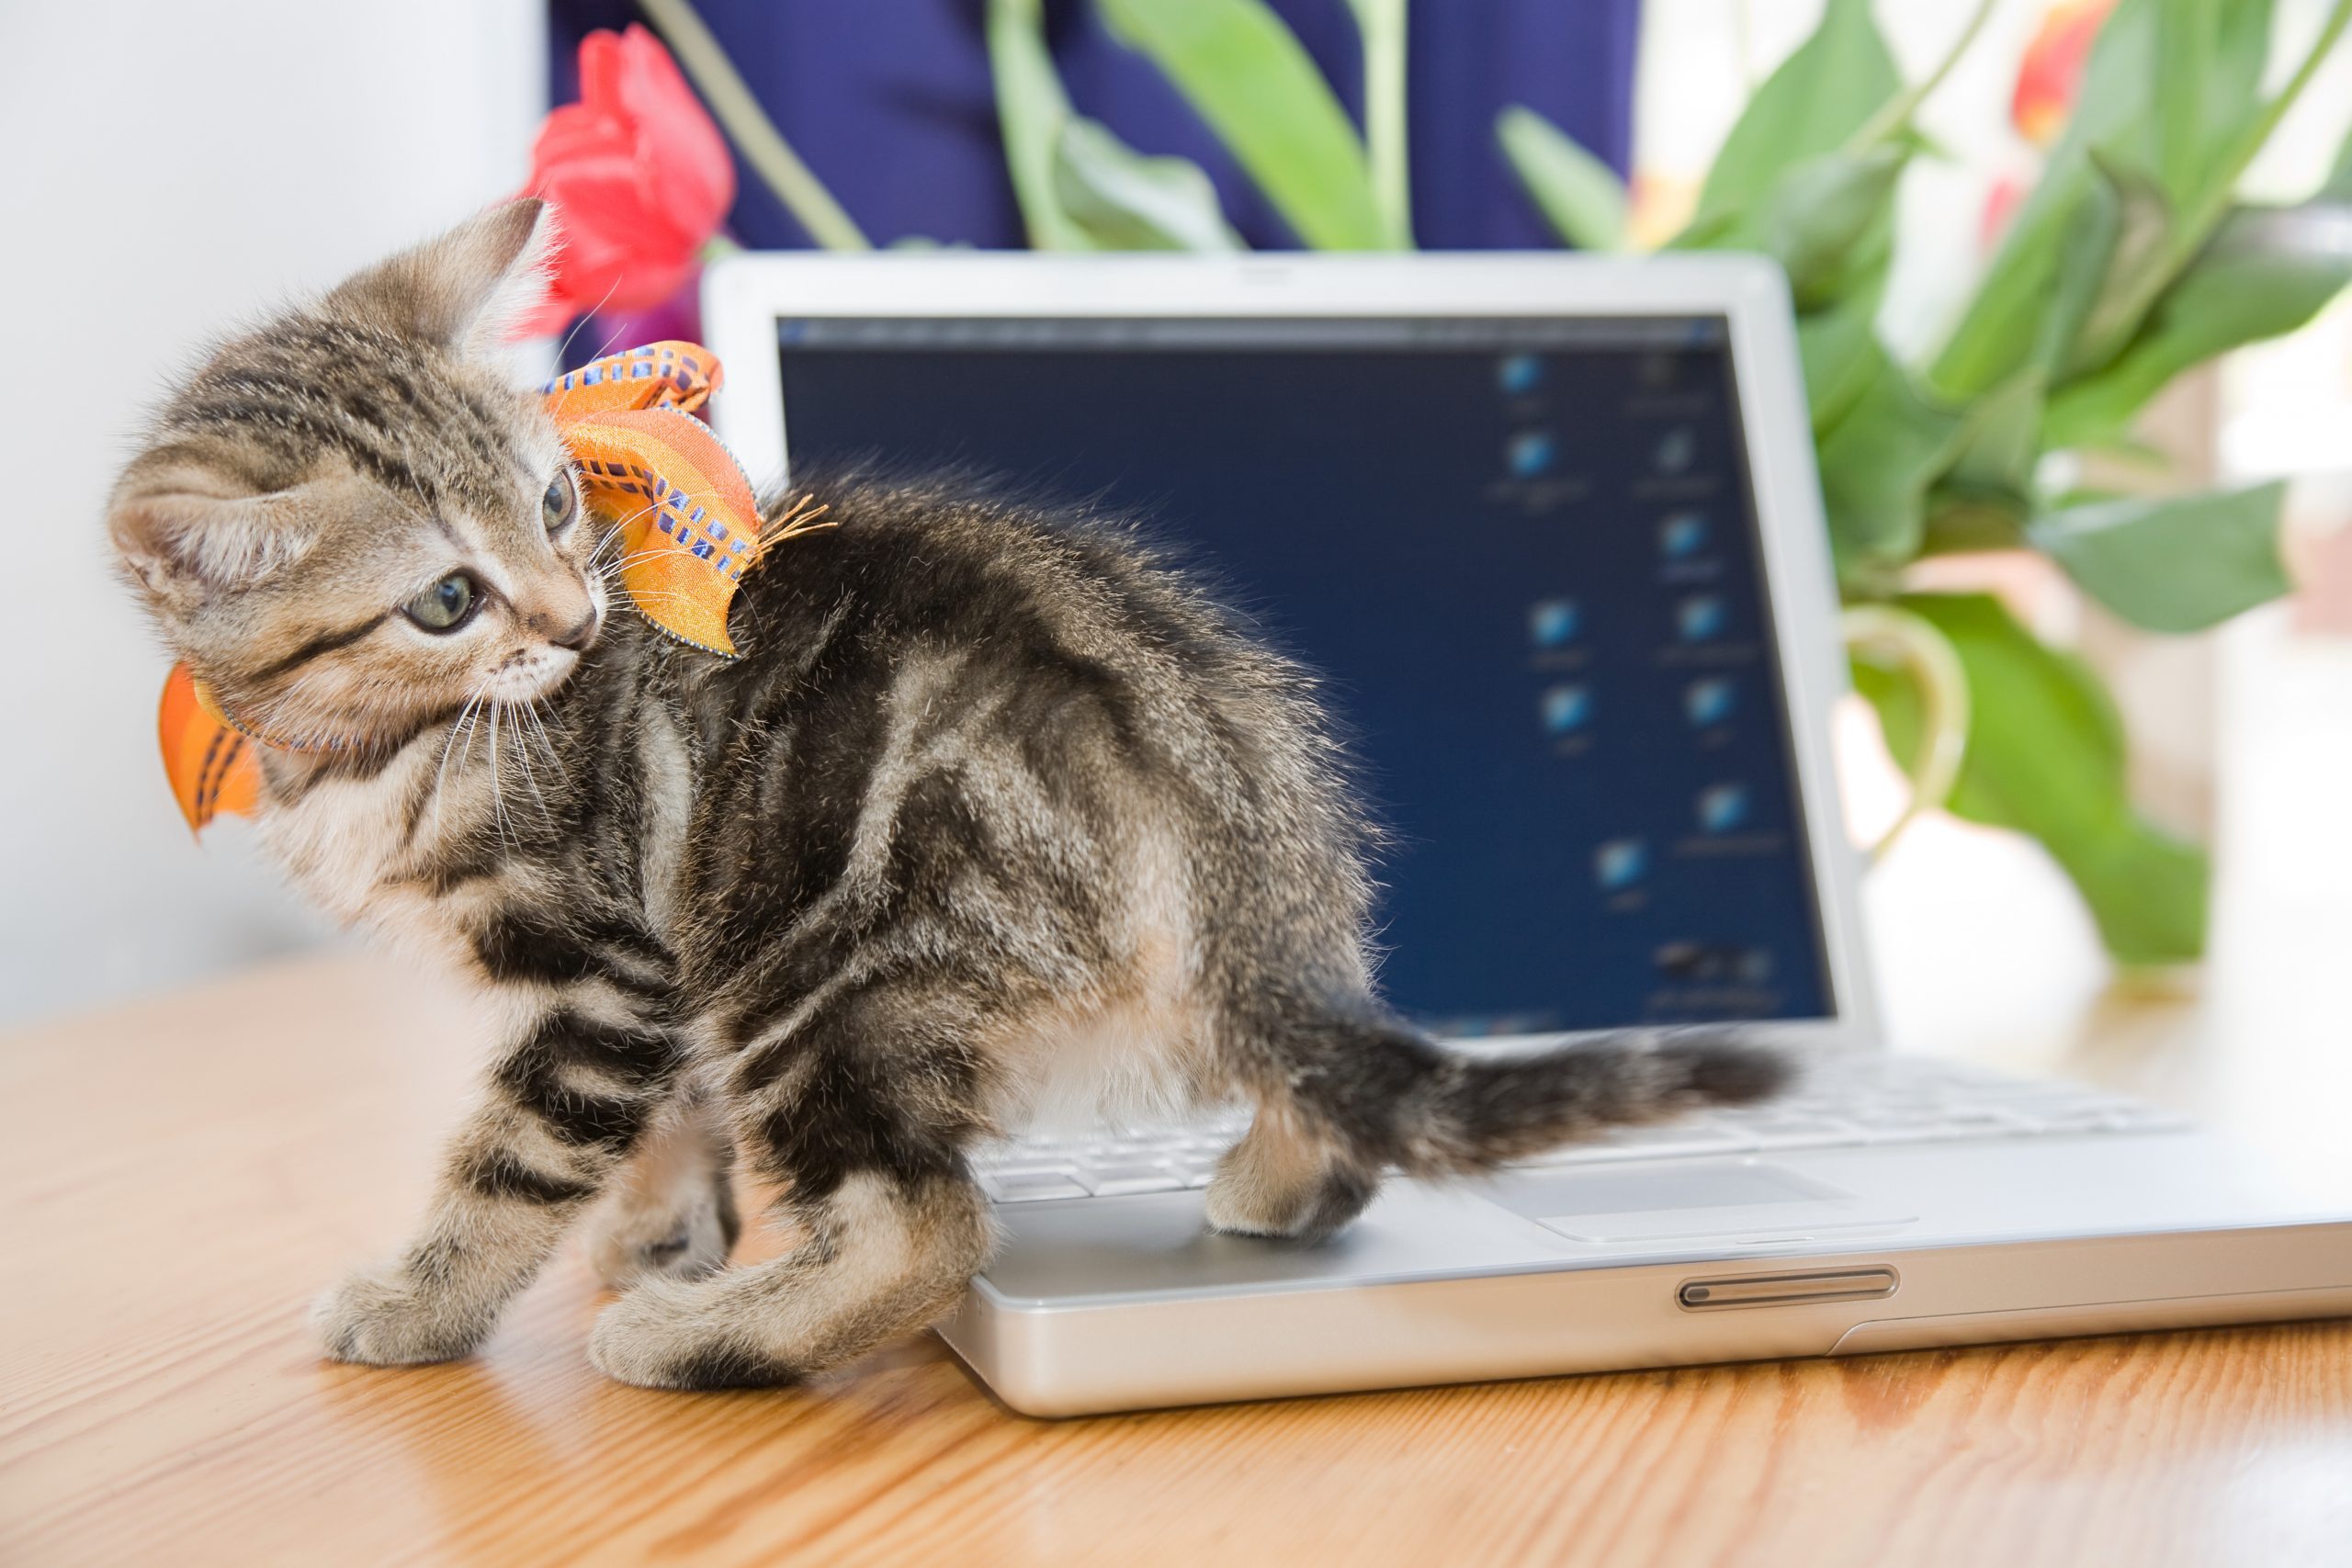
667,1334
379,1317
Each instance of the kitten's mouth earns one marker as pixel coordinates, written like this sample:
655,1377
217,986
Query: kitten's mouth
530,674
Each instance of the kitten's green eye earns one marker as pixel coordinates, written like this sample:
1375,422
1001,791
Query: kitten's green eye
556,505
446,605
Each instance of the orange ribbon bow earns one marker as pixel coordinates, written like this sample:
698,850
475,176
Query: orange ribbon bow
689,529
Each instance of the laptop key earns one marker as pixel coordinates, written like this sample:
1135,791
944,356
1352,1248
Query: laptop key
1647,1142
1029,1187
1121,1180
1976,1124
2115,1118
1804,1131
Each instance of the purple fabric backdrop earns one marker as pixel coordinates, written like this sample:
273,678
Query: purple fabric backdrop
890,102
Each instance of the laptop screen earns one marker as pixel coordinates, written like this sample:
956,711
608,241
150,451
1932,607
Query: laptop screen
1523,552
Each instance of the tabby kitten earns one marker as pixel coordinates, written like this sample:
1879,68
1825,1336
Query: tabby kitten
996,814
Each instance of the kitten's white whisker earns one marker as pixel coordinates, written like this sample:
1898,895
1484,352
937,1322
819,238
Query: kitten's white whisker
646,510
497,776
583,321
543,715
441,774
606,346
523,758
604,542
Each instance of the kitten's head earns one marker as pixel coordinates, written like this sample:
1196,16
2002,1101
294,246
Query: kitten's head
349,523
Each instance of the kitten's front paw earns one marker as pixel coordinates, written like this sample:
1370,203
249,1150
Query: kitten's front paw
664,1334
379,1317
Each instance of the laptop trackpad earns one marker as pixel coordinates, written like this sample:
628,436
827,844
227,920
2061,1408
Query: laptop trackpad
1689,1200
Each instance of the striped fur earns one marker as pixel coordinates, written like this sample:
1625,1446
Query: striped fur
999,816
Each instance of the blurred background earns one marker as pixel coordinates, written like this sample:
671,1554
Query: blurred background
199,163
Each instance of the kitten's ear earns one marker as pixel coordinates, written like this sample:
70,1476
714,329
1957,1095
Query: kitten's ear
466,291
179,539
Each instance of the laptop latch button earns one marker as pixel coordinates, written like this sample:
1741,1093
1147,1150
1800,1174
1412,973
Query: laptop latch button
1780,1290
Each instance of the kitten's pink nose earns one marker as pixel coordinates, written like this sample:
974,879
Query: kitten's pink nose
580,637
553,609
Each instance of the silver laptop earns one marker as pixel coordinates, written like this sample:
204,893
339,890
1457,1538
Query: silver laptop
1550,526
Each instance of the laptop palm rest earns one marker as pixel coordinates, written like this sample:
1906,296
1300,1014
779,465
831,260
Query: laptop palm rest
1519,1220
1162,1243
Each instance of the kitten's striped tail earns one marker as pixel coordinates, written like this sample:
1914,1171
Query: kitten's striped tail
1402,1099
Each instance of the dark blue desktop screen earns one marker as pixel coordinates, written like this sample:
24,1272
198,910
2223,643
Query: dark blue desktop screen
1524,554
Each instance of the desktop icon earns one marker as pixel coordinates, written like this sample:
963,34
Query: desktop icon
1676,450
1722,807
1700,618
1566,708
1682,536
1619,864
1529,454
1518,373
1709,701
1552,623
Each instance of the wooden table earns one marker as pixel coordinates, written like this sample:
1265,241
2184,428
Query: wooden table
179,1177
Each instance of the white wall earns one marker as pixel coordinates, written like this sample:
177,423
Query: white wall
171,170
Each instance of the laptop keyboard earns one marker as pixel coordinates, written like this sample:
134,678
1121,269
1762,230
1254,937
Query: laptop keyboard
1847,1101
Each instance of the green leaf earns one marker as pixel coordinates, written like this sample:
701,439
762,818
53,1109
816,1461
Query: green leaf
1581,196
1966,522
1819,97
1838,345
2046,757
1124,200
1725,229
2245,286
2338,187
2139,249
2208,82
1876,465
2039,284
2002,442
1381,32
2115,102
1824,211
2173,564
1247,75
1031,109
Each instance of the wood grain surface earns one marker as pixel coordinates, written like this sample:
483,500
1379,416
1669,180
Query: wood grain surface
178,1178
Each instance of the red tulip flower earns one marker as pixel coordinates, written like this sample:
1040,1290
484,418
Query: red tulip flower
638,175
2051,72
